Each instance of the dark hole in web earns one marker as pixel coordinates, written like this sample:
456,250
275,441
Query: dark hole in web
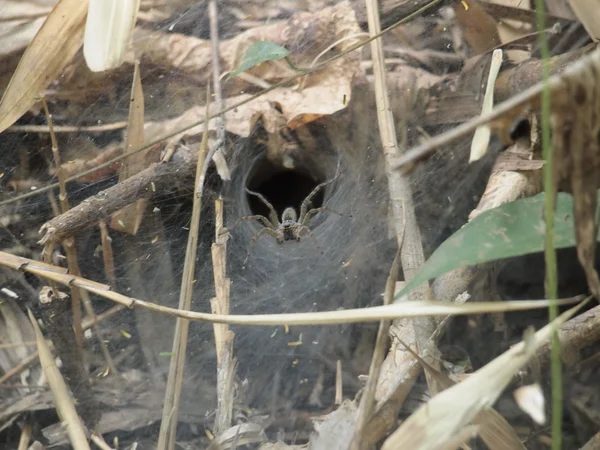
282,188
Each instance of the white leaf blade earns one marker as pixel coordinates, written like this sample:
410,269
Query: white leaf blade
481,139
107,32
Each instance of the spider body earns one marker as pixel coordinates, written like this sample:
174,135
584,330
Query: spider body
291,227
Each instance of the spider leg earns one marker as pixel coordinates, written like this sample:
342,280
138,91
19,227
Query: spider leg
258,235
316,190
314,211
262,219
272,213
303,229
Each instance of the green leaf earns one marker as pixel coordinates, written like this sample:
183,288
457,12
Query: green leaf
257,53
513,229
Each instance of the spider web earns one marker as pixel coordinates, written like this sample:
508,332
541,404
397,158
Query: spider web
344,266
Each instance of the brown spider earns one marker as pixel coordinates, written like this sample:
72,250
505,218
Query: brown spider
291,227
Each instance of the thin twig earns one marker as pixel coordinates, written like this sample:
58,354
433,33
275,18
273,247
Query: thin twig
62,398
168,426
71,257
358,315
223,335
368,398
107,254
67,128
54,310
216,68
25,438
78,296
23,365
401,198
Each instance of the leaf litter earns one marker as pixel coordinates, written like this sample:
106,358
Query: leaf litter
285,114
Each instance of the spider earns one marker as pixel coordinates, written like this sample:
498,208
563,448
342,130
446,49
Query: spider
291,227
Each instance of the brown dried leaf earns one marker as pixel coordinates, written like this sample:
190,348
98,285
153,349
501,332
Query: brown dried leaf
478,27
321,93
297,107
129,219
576,152
53,47
304,35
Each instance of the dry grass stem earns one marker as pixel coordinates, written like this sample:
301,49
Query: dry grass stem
68,244
367,401
62,397
23,365
100,443
371,314
25,438
107,255
78,296
223,336
407,230
54,308
339,384
87,323
168,426
66,128
216,68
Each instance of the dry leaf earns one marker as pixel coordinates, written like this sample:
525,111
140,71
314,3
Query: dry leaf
129,218
449,412
514,175
321,93
531,400
494,430
576,152
588,12
478,27
334,431
481,139
46,56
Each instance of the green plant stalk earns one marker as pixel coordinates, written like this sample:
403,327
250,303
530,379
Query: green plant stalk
549,251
